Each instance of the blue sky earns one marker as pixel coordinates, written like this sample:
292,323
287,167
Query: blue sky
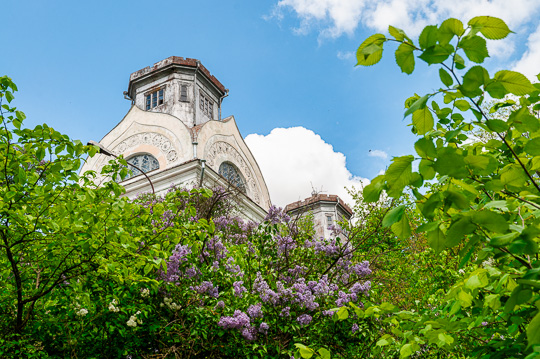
289,66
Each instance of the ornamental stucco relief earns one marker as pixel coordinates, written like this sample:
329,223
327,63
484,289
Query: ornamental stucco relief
157,140
226,151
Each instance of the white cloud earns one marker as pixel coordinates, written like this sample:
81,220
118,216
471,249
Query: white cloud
334,18
378,153
529,64
345,55
294,159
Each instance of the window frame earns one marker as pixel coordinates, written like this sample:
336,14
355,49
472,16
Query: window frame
154,98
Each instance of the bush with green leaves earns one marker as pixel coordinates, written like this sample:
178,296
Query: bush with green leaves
487,203
90,273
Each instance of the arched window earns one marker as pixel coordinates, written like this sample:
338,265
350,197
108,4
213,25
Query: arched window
231,174
146,162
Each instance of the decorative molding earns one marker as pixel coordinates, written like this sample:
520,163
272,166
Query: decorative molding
226,150
162,143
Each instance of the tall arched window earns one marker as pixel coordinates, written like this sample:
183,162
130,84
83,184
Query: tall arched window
231,174
146,162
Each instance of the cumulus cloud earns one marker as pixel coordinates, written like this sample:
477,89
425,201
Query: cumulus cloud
334,18
529,64
294,159
378,153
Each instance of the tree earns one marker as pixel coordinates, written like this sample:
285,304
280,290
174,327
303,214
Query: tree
486,206
57,227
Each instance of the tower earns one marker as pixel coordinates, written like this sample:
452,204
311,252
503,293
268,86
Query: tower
175,134
180,87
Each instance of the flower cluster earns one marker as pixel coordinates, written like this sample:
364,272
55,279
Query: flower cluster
113,307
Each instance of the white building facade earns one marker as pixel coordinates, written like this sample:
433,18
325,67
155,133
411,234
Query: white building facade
175,134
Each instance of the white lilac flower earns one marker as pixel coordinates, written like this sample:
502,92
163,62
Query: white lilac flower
145,292
112,307
81,312
132,321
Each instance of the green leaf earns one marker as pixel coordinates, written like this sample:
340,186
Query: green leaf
497,125
343,313
423,120
382,342
406,351
372,191
496,89
458,230
448,29
491,27
533,330
426,169
456,199
398,175
477,280
533,146
9,96
445,77
418,104
436,240
425,148
475,48
402,229
393,216
437,54
477,162
465,299
451,163
513,176
514,82
462,105
405,58
324,353
428,37
370,51
459,62
398,34
444,339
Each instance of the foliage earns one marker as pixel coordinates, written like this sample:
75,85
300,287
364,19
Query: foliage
90,273
486,204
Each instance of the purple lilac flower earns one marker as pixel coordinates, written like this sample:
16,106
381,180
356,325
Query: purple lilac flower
178,256
354,328
238,321
361,269
208,288
285,244
328,313
219,305
276,215
484,323
285,312
192,272
265,293
263,328
361,287
249,333
239,288
231,267
304,319
255,311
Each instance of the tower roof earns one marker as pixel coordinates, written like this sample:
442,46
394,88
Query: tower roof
311,201
171,62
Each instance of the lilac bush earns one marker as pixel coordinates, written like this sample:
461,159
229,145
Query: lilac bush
271,279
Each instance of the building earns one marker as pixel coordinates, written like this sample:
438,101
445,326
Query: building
174,133
326,209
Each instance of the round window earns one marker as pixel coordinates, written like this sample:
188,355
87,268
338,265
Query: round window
146,162
231,174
